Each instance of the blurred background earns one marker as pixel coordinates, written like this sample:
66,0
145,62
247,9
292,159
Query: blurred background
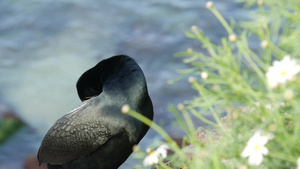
45,46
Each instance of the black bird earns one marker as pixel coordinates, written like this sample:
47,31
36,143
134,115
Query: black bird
97,135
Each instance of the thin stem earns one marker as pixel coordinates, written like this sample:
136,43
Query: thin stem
153,125
200,89
222,20
244,50
188,120
159,130
202,118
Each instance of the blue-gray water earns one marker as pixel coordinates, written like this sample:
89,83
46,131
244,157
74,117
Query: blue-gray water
46,45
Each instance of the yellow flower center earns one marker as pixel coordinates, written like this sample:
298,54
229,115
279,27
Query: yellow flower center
153,153
256,147
283,73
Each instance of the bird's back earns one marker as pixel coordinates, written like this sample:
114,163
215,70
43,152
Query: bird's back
97,135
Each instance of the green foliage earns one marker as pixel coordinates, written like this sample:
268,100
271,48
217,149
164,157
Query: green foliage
237,85
8,126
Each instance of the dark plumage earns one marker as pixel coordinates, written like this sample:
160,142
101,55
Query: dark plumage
97,135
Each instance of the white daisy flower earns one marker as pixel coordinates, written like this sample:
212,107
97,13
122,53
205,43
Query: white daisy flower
255,148
156,155
281,71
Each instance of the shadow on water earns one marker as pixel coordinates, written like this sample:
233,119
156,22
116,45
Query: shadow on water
46,45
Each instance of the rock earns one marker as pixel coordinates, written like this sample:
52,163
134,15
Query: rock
203,136
9,122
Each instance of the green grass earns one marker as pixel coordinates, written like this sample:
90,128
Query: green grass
237,85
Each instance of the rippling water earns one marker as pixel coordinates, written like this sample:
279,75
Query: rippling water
46,45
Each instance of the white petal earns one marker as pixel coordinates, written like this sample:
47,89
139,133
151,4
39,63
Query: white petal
272,82
164,146
286,58
246,152
255,159
298,163
281,71
264,151
259,138
162,151
255,145
150,160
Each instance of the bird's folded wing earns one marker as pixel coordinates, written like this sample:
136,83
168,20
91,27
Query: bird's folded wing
75,135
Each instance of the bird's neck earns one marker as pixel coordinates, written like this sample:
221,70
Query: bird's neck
131,87
127,80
